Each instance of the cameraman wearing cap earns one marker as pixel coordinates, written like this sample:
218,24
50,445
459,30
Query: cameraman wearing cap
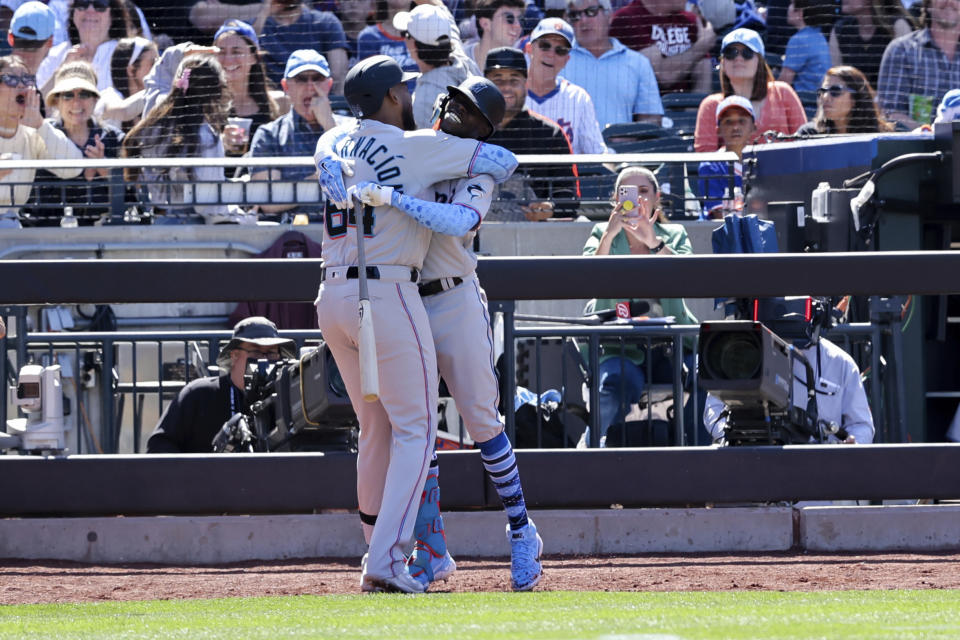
841,398
195,416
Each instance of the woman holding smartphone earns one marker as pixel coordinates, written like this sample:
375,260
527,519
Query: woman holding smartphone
637,226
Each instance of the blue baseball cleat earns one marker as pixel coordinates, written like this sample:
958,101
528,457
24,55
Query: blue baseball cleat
526,547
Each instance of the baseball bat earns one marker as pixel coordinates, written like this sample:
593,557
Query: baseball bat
366,339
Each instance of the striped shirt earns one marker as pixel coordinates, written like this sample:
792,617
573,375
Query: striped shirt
914,75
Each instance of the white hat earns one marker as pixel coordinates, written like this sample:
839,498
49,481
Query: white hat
70,82
427,23
734,102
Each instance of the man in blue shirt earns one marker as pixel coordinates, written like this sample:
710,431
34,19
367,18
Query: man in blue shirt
307,82
292,26
620,81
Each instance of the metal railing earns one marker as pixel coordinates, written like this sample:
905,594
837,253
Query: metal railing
109,367
113,200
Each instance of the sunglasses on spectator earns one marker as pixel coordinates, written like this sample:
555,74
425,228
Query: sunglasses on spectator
14,81
560,49
79,95
573,15
510,18
731,53
835,91
100,5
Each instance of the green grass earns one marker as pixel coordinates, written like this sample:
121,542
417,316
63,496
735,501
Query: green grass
561,615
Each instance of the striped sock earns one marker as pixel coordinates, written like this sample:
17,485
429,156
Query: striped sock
501,466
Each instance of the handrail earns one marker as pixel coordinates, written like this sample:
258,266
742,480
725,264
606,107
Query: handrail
307,161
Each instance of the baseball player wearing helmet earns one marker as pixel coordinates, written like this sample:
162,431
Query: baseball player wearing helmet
397,432
460,323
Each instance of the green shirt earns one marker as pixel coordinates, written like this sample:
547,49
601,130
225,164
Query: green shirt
673,236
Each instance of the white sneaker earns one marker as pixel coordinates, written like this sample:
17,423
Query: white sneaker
402,583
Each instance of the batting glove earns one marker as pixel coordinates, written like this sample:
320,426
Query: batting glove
372,193
330,172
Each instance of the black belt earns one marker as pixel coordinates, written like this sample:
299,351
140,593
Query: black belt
373,273
438,286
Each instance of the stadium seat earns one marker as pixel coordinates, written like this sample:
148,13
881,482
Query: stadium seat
775,62
684,100
621,135
338,104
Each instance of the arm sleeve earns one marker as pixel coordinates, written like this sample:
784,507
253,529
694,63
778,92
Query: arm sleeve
593,241
648,92
857,418
452,219
705,135
159,80
170,435
795,58
792,107
893,79
59,147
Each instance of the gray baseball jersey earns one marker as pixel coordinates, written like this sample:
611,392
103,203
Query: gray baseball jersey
408,161
449,256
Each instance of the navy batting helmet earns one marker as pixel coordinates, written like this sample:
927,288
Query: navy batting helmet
368,81
485,96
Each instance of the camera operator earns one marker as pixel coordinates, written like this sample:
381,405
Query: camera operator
191,421
840,395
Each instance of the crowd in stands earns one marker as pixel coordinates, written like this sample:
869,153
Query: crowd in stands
234,78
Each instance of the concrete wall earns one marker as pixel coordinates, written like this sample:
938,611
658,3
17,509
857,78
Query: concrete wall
221,539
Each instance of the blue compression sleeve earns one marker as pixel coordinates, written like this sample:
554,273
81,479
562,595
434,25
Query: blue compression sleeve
494,161
449,219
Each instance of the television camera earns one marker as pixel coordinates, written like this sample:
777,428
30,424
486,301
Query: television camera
292,405
39,394
751,369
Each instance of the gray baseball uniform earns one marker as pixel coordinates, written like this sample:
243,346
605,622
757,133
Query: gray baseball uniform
401,426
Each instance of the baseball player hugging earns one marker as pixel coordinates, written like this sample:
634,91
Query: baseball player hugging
460,323
398,429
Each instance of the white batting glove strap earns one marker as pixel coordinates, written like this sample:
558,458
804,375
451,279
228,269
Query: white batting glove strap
372,193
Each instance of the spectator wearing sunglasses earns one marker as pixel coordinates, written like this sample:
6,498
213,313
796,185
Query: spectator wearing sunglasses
620,81
307,83
433,41
25,135
73,99
31,33
744,72
677,42
557,98
846,103
95,28
499,24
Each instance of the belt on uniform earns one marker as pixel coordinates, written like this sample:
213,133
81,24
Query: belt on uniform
385,272
437,286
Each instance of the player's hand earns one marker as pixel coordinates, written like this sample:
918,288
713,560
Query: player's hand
330,172
371,193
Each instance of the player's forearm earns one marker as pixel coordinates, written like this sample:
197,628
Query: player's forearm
449,219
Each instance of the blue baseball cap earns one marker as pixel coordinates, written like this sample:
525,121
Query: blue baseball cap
949,108
555,26
240,28
305,60
747,37
33,21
